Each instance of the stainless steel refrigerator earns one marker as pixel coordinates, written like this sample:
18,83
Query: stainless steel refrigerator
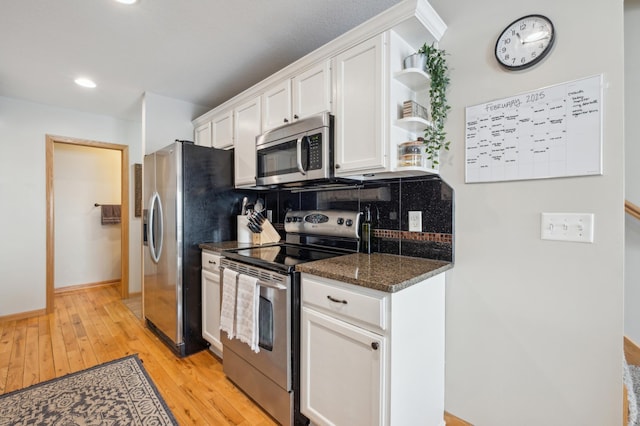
188,200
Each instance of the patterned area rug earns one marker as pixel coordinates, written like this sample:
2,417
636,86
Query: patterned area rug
119,392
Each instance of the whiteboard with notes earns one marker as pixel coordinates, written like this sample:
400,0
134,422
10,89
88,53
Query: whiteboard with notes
551,132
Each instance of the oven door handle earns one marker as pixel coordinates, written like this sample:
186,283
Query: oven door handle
276,286
299,155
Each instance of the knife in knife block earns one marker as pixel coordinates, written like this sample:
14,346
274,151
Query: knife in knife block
269,235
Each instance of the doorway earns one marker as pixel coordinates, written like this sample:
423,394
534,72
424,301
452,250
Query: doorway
51,140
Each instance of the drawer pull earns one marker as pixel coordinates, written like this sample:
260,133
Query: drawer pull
212,262
333,299
375,345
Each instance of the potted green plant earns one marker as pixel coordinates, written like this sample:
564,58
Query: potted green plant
435,138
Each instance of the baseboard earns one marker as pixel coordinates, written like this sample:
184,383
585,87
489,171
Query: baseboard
23,315
631,351
85,286
452,420
632,356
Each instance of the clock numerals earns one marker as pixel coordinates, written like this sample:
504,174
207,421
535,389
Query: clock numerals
524,42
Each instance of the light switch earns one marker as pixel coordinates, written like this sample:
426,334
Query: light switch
567,227
415,221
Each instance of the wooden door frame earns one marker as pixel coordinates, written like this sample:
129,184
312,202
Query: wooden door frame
124,222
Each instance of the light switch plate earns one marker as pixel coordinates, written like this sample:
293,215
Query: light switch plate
567,227
415,221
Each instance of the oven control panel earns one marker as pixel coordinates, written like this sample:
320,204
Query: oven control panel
339,223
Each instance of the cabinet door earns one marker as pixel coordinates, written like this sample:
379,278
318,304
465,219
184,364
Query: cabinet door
360,108
312,91
247,128
211,309
276,106
202,134
341,372
222,130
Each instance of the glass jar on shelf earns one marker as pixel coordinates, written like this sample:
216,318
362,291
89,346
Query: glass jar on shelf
411,154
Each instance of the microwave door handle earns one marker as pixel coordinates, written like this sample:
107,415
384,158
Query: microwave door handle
299,155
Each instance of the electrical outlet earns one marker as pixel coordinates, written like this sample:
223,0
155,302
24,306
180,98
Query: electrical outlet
415,221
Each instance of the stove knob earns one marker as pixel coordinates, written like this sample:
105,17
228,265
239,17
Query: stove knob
289,220
349,222
340,221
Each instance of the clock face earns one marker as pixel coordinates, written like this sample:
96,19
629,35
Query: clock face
525,42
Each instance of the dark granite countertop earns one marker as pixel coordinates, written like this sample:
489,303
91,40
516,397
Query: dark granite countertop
384,272
223,245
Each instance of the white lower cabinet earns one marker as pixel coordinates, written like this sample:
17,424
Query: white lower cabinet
343,371
370,357
211,301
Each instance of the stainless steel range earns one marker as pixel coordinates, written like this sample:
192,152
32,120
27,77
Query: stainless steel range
271,377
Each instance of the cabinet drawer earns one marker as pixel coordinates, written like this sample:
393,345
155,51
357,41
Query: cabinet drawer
210,262
358,305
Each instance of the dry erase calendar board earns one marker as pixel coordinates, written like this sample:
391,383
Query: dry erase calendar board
551,132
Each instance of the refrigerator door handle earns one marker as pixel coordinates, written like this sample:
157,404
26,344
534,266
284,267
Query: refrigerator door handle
155,205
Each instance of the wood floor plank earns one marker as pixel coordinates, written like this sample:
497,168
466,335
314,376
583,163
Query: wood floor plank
60,360
16,360
45,349
31,373
6,344
92,326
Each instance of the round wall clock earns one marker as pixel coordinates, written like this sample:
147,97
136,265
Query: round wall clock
524,42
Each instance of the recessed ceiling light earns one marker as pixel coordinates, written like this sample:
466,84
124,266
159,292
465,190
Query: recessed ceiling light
127,1
85,82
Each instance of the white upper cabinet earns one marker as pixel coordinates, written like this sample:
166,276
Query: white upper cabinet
360,145
222,130
359,78
276,105
312,91
202,134
247,120
305,94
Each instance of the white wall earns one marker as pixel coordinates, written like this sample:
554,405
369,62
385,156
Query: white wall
23,126
632,171
166,119
86,251
534,328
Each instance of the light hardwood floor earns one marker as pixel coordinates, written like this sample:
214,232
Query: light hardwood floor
93,326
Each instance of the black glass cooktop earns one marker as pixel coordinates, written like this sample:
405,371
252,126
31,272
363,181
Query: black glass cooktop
281,257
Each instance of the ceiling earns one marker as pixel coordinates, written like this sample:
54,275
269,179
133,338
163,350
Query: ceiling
199,51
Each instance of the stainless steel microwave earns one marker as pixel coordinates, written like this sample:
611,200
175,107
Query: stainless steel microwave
296,153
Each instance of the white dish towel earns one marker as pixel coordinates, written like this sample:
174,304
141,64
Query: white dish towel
228,305
247,311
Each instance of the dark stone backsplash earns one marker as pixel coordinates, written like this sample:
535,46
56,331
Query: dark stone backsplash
390,202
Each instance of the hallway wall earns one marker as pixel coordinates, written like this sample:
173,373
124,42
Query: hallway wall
23,128
86,251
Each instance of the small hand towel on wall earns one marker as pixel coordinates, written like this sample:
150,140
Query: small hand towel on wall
110,214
